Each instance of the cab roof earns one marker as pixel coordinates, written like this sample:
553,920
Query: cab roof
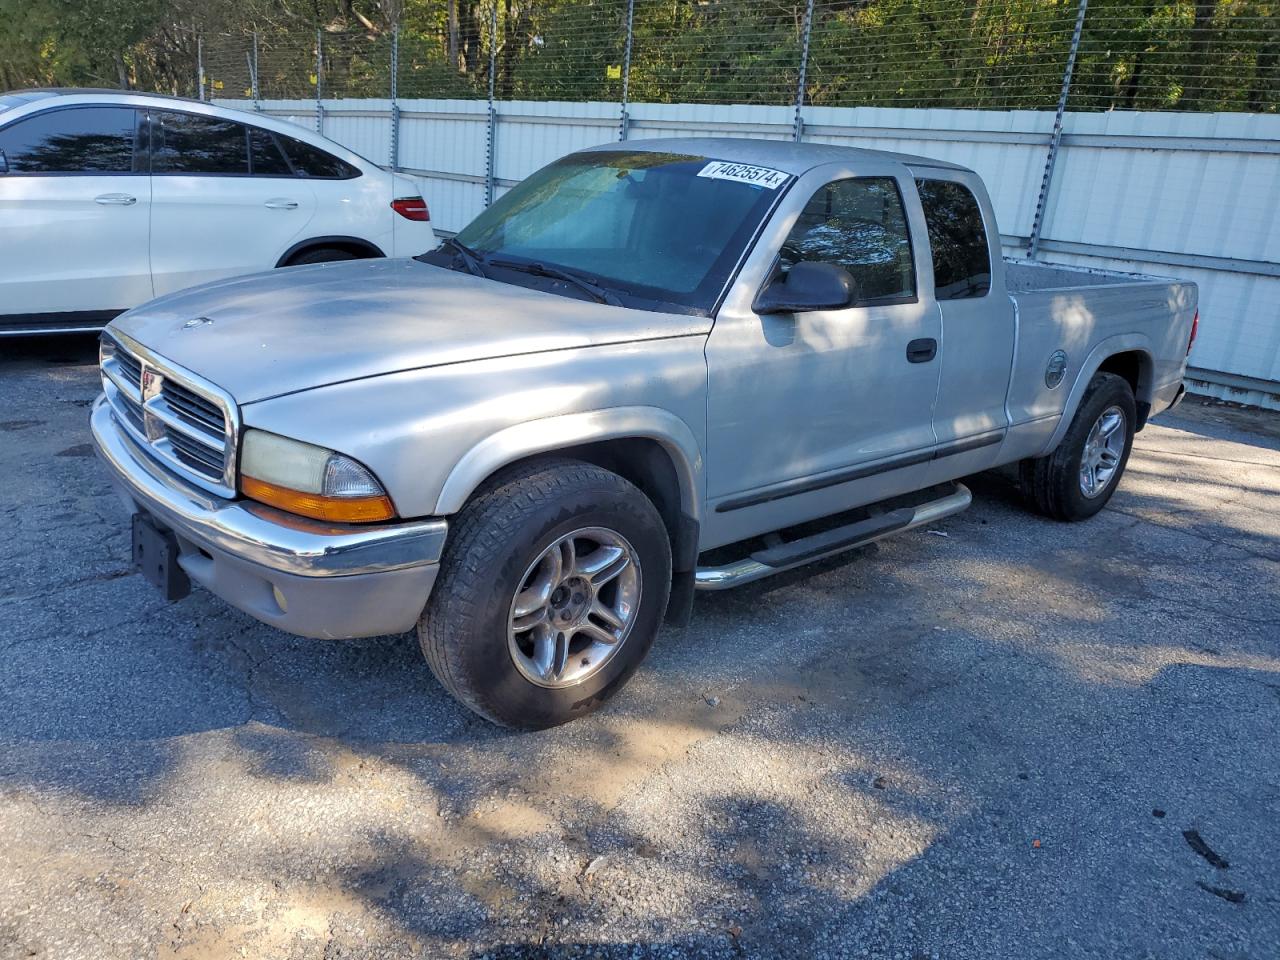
785,155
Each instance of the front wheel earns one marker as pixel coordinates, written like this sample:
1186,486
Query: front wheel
1079,477
551,591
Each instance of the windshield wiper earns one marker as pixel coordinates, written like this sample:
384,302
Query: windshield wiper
599,293
474,261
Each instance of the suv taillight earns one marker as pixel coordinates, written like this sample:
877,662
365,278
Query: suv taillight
411,208
1195,328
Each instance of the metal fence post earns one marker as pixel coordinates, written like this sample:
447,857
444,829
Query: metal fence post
319,81
1037,225
624,120
395,91
797,128
489,144
253,76
200,65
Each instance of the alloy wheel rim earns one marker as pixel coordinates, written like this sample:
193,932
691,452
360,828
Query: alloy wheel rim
574,607
1103,450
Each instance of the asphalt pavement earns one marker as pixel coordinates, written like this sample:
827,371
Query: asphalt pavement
1000,737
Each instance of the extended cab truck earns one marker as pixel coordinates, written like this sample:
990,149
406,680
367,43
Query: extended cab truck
647,369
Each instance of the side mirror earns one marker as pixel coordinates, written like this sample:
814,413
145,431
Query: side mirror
807,286
4,163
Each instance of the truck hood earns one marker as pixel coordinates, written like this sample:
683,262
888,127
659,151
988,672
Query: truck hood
274,333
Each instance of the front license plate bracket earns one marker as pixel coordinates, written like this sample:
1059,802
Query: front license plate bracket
155,553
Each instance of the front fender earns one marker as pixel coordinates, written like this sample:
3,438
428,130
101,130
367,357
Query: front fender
556,433
432,435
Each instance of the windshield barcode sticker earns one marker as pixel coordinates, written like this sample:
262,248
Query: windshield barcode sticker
744,173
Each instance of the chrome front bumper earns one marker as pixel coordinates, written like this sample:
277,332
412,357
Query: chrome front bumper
306,577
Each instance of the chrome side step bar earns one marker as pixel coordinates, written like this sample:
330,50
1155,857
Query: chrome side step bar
765,563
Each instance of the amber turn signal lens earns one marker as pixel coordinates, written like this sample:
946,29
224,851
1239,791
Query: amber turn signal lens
333,509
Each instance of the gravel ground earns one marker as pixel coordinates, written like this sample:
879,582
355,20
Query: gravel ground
1003,737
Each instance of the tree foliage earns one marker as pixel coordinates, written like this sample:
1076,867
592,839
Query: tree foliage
1134,54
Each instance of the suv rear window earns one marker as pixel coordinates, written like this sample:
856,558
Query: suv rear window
961,258
265,156
185,143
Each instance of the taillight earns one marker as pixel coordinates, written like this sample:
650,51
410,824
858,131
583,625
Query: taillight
1195,328
411,208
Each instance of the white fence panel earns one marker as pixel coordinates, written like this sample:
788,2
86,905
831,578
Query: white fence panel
301,112
531,135
443,143
1007,147
360,125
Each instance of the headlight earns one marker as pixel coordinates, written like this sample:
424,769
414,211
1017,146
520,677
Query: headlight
309,480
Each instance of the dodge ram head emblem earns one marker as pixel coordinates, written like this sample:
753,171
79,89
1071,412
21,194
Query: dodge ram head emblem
196,322
150,383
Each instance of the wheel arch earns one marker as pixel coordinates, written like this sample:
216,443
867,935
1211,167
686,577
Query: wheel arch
650,447
1130,357
357,245
1137,368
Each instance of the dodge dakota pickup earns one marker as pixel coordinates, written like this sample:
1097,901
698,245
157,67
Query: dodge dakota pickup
649,369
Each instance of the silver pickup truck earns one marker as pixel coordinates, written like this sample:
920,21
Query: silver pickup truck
649,369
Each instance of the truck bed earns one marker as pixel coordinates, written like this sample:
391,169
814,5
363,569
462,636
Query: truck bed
1032,276
1066,313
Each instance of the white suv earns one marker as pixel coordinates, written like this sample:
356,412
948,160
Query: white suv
110,198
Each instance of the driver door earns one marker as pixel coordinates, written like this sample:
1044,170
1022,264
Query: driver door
817,412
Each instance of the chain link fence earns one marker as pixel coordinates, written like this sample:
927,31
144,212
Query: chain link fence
1189,55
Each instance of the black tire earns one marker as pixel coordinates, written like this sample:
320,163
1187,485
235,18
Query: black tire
504,529
1052,484
322,255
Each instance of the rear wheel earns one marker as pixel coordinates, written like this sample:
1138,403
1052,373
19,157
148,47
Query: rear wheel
553,586
322,255
1079,477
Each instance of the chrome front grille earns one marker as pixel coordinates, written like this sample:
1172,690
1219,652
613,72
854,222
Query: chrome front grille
194,409
130,366
185,422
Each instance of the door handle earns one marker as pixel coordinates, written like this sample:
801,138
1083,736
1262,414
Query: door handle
118,199
282,203
922,350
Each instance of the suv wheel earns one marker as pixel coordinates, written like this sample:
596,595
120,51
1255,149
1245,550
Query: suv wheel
551,591
1079,477
321,255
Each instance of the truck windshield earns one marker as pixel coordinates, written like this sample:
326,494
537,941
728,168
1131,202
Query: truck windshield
657,230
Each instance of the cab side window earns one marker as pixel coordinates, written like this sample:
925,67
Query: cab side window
85,140
961,257
859,224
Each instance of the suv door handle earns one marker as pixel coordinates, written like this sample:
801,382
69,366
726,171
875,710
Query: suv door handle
120,199
922,350
282,203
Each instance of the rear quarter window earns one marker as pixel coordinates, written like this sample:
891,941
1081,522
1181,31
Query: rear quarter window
957,238
312,162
